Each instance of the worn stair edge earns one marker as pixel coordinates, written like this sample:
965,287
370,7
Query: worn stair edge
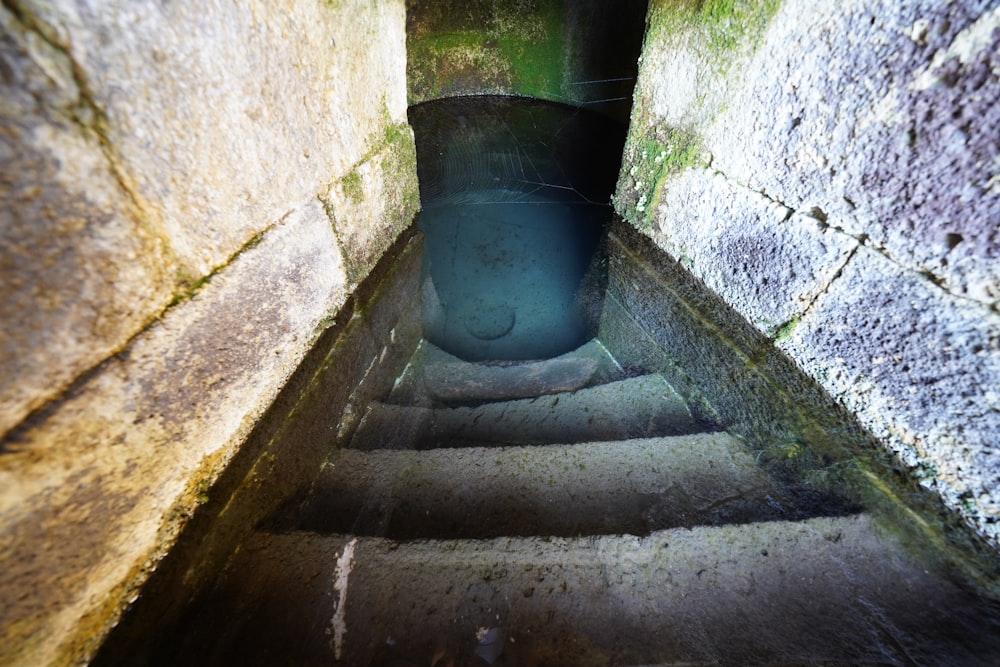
437,378
633,486
474,383
639,407
385,426
409,388
822,591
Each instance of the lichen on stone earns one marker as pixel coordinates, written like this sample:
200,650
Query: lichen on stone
457,48
723,27
650,157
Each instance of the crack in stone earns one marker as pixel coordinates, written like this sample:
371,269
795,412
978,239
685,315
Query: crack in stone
787,326
88,115
328,210
862,239
15,434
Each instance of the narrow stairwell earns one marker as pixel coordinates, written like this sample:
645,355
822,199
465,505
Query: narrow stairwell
561,513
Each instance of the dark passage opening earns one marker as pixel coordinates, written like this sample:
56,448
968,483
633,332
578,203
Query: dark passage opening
515,194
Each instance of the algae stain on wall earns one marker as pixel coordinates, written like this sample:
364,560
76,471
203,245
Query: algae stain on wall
693,42
722,27
460,47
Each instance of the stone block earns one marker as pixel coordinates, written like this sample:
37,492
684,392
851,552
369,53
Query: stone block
356,359
766,262
81,270
884,118
727,369
375,201
94,490
920,369
148,144
223,118
878,120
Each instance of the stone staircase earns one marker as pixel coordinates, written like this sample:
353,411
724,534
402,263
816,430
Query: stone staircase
561,513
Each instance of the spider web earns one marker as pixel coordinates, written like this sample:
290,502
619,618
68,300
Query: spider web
490,150
515,193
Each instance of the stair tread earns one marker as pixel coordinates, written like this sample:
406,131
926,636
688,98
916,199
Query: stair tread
634,486
642,406
435,376
460,381
802,592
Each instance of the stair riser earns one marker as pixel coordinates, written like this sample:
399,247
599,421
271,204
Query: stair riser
632,487
821,591
636,408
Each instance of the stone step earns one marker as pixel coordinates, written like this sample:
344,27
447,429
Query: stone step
827,591
435,377
633,486
640,407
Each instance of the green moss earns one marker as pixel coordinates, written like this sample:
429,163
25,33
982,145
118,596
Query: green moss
188,285
537,57
352,187
393,150
468,47
721,30
650,159
722,27
786,329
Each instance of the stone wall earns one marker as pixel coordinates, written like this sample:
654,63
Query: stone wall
832,172
579,52
190,194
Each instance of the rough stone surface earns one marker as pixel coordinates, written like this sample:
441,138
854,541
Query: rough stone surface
899,352
220,117
884,117
460,381
580,53
355,359
375,201
824,591
80,269
659,316
149,143
631,486
869,129
638,407
434,376
166,259
92,490
768,263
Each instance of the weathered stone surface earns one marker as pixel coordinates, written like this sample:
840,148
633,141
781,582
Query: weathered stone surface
148,143
921,369
373,202
459,47
80,269
637,407
92,491
884,117
582,53
878,120
221,117
765,262
827,591
627,486
166,257
473,382
658,316
356,359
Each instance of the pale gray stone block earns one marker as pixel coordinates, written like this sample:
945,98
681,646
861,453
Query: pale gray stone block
744,246
920,368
